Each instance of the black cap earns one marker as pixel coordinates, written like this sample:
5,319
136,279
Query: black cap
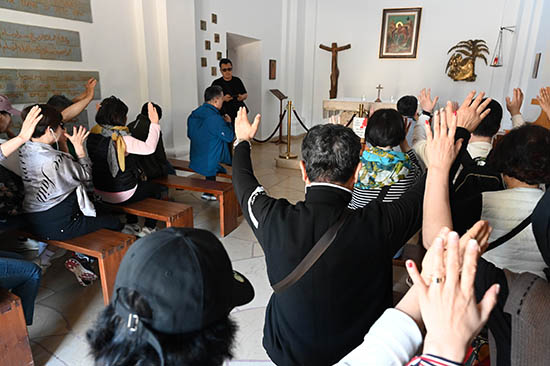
185,276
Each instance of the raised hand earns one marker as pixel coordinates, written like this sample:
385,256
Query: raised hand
78,138
470,113
441,149
30,122
425,100
544,100
243,129
514,105
447,300
152,113
90,86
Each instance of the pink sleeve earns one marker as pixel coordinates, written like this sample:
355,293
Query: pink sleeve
138,147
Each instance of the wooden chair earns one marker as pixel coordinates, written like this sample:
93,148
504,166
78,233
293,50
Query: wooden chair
229,207
15,349
184,165
107,246
172,213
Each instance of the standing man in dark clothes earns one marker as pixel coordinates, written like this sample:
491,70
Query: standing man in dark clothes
234,92
154,165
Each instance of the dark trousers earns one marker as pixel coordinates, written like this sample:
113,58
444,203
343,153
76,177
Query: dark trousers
144,190
22,278
66,221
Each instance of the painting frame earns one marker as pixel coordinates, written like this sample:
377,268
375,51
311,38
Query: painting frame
394,49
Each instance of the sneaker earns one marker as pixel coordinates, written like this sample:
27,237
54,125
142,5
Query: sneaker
25,244
208,197
132,229
148,230
84,276
44,261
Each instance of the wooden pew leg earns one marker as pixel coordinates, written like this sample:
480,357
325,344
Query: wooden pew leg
229,209
183,220
108,268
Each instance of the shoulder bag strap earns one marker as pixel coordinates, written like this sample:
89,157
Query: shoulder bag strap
515,231
314,254
383,192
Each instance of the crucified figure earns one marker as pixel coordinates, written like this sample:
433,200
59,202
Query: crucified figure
335,72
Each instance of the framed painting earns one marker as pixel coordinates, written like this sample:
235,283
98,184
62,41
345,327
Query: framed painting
272,69
399,33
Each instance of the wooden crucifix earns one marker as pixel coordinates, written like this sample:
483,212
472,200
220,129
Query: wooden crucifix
334,49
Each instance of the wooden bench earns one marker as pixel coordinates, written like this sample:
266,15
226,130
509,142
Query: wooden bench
15,348
229,207
172,213
107,246
184,165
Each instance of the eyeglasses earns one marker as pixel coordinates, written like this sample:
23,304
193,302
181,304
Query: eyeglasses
228,69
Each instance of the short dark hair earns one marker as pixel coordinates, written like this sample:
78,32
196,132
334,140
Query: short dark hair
224,61
524,154
331,153
51,118
110,340
385,127
489,126
407,105
112,112
145,109
59,102
212,92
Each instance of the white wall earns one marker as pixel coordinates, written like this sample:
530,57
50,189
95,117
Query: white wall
247,59
109,45
251,18
309,23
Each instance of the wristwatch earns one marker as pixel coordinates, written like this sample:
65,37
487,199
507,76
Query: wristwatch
238,141
427,113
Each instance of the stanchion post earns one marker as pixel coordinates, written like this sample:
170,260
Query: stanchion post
288,155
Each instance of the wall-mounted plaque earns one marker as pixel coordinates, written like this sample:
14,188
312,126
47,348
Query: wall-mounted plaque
207,45
216,38
204,62
214,18
27,41
214,71
69,9
36,86
219,55
203,25
272,69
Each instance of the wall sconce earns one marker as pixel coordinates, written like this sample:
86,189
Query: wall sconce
496,60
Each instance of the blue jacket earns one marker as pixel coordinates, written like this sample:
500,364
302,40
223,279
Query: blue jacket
209,135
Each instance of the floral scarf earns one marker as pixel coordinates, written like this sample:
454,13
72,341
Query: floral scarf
382,168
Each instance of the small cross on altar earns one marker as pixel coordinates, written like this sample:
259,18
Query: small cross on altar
379,87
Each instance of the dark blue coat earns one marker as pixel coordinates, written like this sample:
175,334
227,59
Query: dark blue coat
209,135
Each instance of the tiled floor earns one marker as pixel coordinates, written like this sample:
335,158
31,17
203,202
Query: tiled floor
65,310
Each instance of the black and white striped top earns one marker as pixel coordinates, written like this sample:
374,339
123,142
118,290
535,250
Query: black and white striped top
361,197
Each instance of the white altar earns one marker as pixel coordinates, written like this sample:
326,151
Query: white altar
333,107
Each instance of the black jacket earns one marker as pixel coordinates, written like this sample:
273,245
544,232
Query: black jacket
154,165
327,313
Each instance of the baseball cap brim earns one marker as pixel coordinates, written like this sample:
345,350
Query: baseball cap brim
242,292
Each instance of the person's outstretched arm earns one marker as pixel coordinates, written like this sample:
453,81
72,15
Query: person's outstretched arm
514,107
27,129
81,102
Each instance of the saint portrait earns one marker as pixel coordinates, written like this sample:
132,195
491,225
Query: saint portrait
399,35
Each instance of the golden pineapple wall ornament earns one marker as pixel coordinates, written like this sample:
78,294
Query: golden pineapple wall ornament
461,65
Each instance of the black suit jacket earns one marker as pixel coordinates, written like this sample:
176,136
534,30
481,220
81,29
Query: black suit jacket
327,313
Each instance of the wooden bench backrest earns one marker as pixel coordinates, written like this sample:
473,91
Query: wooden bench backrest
194,184
154,209
97,244
179,164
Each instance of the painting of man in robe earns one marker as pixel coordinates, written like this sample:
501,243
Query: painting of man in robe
399,36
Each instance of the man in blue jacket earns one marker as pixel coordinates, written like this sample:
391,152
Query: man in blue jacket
210,134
